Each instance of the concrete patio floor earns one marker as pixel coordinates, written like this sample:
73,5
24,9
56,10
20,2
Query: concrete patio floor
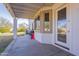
24,46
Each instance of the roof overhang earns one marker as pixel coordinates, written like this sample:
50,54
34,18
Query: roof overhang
26,10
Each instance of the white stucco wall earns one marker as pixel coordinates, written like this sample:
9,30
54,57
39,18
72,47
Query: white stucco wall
44,37
75,28
47,38
38,36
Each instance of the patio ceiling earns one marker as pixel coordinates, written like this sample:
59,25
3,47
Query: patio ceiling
27,10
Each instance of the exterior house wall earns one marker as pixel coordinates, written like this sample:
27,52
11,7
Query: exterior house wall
38,36
45,37
75,29
72,28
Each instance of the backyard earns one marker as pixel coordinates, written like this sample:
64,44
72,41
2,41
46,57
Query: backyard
6,32
5,41
6,27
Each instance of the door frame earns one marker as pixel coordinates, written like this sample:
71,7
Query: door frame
56,41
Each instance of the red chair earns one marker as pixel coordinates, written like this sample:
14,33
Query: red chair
33,36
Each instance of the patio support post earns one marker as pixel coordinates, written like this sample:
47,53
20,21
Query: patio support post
15,28
30,24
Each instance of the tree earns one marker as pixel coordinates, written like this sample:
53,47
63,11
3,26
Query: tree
4,22
5,25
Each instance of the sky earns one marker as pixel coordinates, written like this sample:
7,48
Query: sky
4,13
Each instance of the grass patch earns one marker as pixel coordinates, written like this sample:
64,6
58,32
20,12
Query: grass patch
6,39
1,50
4,45
4,42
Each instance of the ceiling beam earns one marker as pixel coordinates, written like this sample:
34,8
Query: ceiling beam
10,9
24,8
20,16
23,14
19,9
15,10
29,5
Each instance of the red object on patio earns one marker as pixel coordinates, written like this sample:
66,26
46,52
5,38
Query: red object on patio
33,36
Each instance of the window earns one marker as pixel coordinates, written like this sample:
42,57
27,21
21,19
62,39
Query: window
47,17
61,23
62,14
46,22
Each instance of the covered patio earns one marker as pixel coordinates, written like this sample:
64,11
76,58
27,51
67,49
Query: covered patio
26,10
43,20
24,46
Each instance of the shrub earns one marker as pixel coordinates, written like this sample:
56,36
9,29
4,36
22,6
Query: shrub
4,29
21,29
